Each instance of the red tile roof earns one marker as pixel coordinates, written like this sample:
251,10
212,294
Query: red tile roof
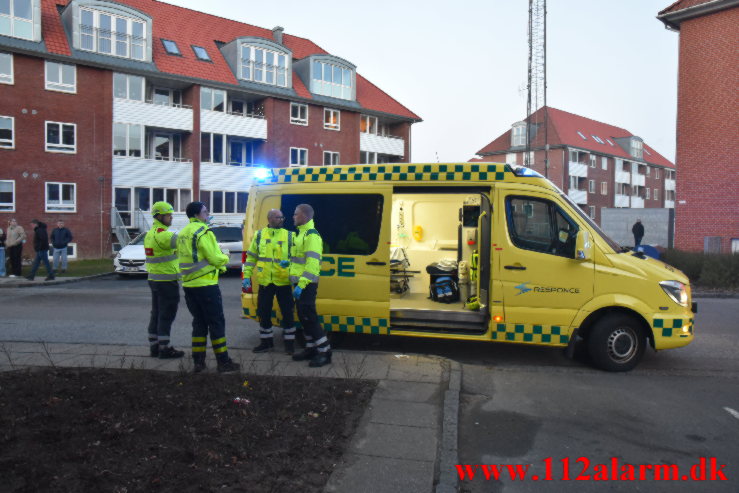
188,27
563,130
683,4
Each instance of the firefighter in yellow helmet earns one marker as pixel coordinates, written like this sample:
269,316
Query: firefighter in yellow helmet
269,252
164,274
200,262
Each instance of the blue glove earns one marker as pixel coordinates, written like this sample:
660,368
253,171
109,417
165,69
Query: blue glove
284,264
246,283
297,291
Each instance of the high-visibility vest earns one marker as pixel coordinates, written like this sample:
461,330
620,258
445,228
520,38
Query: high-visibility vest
305,259
161,255
268,248
199,255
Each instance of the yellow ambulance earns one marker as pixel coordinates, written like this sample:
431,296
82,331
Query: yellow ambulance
530,266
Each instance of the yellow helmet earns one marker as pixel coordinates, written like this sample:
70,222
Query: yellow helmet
161,208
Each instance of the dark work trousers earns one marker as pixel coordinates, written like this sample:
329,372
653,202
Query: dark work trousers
264,310
42,256
14,255
206,306
315,337
165,296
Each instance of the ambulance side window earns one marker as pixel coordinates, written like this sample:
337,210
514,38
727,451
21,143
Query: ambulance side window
349,224
539,225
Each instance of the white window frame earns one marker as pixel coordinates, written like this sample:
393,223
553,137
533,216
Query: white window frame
331,126
656,173
333,158
371,157
60,207
60,86
332,89
60,148
649,170
591,186
604,163
604,188
12,18
212,99
593,161
9,144
656,194
129,79
518,135
224,143
251,65
299,121
9,77
368,121
302,155
8,206
129,128
591,211
248,146
224,192
115,36
648,193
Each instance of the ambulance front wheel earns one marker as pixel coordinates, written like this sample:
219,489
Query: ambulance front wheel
616,343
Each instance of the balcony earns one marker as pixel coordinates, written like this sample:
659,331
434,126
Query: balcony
637,179
670,204
623,176
143,171
176,117
578,169
218,122
670,184
391,145
637,202
621,201
578,196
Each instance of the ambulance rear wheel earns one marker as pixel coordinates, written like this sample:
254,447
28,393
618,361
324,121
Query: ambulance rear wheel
616,343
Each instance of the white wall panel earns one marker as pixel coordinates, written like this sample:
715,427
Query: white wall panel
129,171
578,169
225,177
242,126
382,145
153,115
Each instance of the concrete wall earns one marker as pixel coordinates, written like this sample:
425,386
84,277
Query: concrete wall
658,225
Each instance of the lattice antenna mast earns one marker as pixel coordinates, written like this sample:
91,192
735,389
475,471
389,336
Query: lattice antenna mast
537,79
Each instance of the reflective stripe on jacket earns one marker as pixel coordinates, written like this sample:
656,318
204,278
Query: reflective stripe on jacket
268,248
200,257
161,256
305,262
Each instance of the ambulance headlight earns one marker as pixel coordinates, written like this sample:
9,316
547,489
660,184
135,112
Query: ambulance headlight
676,291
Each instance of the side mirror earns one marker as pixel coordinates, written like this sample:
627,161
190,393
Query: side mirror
584,247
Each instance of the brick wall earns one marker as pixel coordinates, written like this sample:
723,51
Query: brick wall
31,166
707,202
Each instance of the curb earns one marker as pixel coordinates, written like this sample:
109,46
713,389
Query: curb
31,284
449,432
721,295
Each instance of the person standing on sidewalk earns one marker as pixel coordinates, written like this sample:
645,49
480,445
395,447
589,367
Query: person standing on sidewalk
269,252
200,261
16,237
638,231
41,246
162,264
305,269
60,239
2,253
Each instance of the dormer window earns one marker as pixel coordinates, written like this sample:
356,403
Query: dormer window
262,65
518,134
115,35
332,80
637,148
16,18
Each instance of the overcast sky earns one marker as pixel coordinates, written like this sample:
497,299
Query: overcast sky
461,65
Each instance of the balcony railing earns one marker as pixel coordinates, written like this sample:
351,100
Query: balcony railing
623,176
220,122
669,184
637,179
670,204
168,159
382,144
578,196
176,117
621,200
637,202
578,169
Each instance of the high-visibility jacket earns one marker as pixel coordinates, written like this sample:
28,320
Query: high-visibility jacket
267,249
160,246
305,260
199,255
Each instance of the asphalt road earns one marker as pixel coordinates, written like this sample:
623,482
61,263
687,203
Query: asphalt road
519,405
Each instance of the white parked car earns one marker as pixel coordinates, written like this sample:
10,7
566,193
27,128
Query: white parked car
130,260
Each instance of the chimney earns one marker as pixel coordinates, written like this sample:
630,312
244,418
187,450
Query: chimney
277,33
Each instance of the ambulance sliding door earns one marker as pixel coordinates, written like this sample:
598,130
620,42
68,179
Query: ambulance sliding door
354,222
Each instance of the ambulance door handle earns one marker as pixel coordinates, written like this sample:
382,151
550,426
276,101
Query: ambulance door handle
376,263
515,267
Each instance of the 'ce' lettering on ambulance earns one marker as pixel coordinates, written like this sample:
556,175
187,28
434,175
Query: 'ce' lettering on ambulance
340,266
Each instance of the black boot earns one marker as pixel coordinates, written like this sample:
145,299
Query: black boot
265,345
198,363
168,352
320,359
289,347
154,350
228,366
307,353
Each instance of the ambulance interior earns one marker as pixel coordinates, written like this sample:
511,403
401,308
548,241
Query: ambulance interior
440,230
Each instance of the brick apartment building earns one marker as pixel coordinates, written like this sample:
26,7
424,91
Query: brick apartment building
107,107
707,209
598,165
